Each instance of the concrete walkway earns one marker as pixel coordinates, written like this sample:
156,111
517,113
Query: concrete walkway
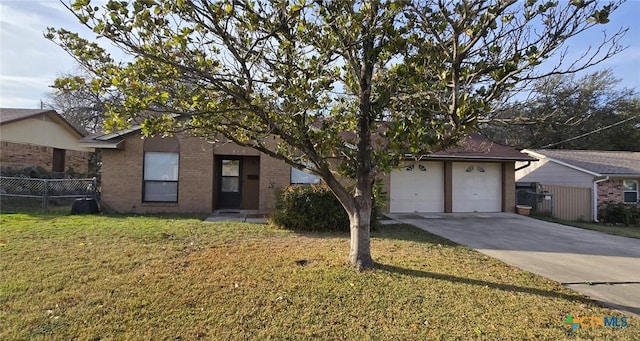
604,267
246,216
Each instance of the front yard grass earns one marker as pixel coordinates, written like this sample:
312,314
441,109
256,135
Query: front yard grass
618,230
148,278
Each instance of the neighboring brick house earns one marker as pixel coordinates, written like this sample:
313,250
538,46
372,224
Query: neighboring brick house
41,138
604,175
188,174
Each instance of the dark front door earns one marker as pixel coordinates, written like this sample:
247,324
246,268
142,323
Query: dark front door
230,185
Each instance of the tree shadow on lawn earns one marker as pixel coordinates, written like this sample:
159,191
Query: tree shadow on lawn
401,232
505,287
409,233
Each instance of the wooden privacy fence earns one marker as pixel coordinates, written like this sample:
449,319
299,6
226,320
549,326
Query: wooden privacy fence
571,203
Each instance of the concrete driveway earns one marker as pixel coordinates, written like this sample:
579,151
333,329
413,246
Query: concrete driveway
604,267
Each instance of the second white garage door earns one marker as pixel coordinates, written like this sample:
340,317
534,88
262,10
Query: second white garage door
418,187
477,187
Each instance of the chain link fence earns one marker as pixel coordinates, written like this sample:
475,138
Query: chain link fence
46,190
541,203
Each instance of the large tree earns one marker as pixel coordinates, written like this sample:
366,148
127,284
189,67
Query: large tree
82,105
567,112
358,82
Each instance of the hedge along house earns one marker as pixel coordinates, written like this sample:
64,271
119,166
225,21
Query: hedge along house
582,181
41,138
188,174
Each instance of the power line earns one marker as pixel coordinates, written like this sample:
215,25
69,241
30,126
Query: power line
591,132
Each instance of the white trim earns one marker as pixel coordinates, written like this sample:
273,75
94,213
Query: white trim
462,157
118,133
542,156
105,145
427,157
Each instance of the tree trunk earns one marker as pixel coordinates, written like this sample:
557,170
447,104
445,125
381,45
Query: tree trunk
358,206
360,228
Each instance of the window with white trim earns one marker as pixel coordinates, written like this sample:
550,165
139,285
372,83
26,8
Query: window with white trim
630,191
161,176
299,177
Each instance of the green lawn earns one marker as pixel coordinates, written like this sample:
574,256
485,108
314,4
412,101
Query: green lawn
618,230
141,278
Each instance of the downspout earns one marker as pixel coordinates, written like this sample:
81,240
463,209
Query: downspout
595,197
523,166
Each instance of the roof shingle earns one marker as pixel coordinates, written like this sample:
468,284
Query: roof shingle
477,146
13,114
597,161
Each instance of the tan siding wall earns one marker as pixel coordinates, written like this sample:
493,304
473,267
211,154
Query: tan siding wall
546,172
19,155
571,203
42,131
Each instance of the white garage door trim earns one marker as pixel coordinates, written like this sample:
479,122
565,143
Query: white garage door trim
417,187
476,187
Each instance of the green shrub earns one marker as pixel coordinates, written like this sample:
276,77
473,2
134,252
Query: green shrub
379,200
26,172
309,208
315,208
619,213
38,172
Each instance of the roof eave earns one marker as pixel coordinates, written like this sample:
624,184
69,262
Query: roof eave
118,133
472,157
103,144
622,175
477,157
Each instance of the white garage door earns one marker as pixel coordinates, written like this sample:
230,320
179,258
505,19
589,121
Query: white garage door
417,187
477,187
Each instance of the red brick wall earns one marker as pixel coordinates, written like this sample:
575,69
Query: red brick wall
508,186
122,178
611,190
18,155
274,173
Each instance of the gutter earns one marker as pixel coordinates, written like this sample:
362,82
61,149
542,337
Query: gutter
595,197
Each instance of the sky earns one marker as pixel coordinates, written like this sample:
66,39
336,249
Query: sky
29,63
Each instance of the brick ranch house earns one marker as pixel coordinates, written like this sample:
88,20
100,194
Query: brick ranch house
40,138
187,174
582,181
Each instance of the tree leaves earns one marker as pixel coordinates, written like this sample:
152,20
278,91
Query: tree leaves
565,107
358,82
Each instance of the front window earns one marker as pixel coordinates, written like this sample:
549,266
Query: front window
301,177
161,177
630,191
